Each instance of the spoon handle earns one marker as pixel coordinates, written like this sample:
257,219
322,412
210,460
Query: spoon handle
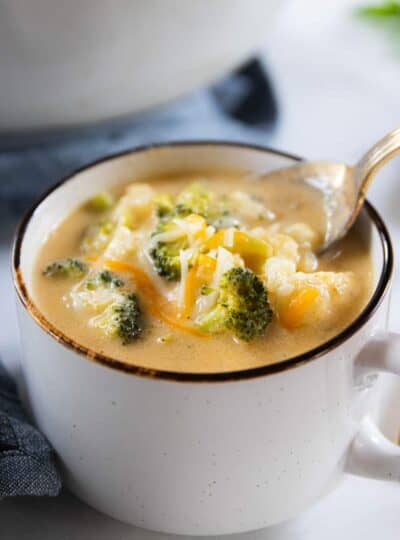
374,159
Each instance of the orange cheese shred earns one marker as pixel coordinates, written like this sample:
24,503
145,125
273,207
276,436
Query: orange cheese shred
156,304
291,317
190,291
253,250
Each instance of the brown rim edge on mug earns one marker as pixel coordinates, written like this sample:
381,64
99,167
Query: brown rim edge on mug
313,354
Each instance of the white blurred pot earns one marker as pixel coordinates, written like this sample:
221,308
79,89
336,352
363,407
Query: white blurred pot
66,64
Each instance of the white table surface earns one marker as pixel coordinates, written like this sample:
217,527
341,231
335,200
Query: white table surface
338,83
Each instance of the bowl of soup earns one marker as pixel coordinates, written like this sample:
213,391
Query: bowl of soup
198,367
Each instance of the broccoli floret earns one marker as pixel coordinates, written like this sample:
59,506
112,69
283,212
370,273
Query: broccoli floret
105,278
166,261
122,319
66,268
97,237
165,253
195,199
100,202
164,205
242,306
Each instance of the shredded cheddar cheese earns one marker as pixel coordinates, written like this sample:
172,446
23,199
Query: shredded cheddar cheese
156,304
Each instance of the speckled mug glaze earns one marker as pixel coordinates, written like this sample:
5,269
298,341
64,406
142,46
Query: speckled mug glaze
203,453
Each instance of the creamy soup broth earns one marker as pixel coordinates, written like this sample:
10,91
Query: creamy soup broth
167,348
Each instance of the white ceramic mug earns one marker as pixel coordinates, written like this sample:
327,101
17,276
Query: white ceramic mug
208,453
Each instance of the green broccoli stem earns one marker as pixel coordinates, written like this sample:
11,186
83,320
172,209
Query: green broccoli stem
66,268
214,321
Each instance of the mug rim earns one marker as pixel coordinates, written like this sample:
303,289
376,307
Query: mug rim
187,376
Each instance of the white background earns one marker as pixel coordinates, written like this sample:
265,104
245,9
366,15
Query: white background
338,83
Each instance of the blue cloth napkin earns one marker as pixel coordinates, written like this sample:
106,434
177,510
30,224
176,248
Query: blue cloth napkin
240,108
27,465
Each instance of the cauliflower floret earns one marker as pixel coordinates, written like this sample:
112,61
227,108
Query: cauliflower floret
308,261
135,206
95,299
285,247
306,298
336,283
97,237
301,298
278,273
123,244
293,244
304,235
247,206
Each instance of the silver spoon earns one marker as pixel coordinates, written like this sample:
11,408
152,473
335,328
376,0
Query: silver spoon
343,186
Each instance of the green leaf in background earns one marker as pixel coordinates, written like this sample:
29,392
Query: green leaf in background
386,17
381,11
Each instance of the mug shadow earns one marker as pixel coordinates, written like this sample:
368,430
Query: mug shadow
66,518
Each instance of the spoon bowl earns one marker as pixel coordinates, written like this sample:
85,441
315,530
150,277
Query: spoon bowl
343,187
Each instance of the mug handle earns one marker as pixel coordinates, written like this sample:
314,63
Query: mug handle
371,453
